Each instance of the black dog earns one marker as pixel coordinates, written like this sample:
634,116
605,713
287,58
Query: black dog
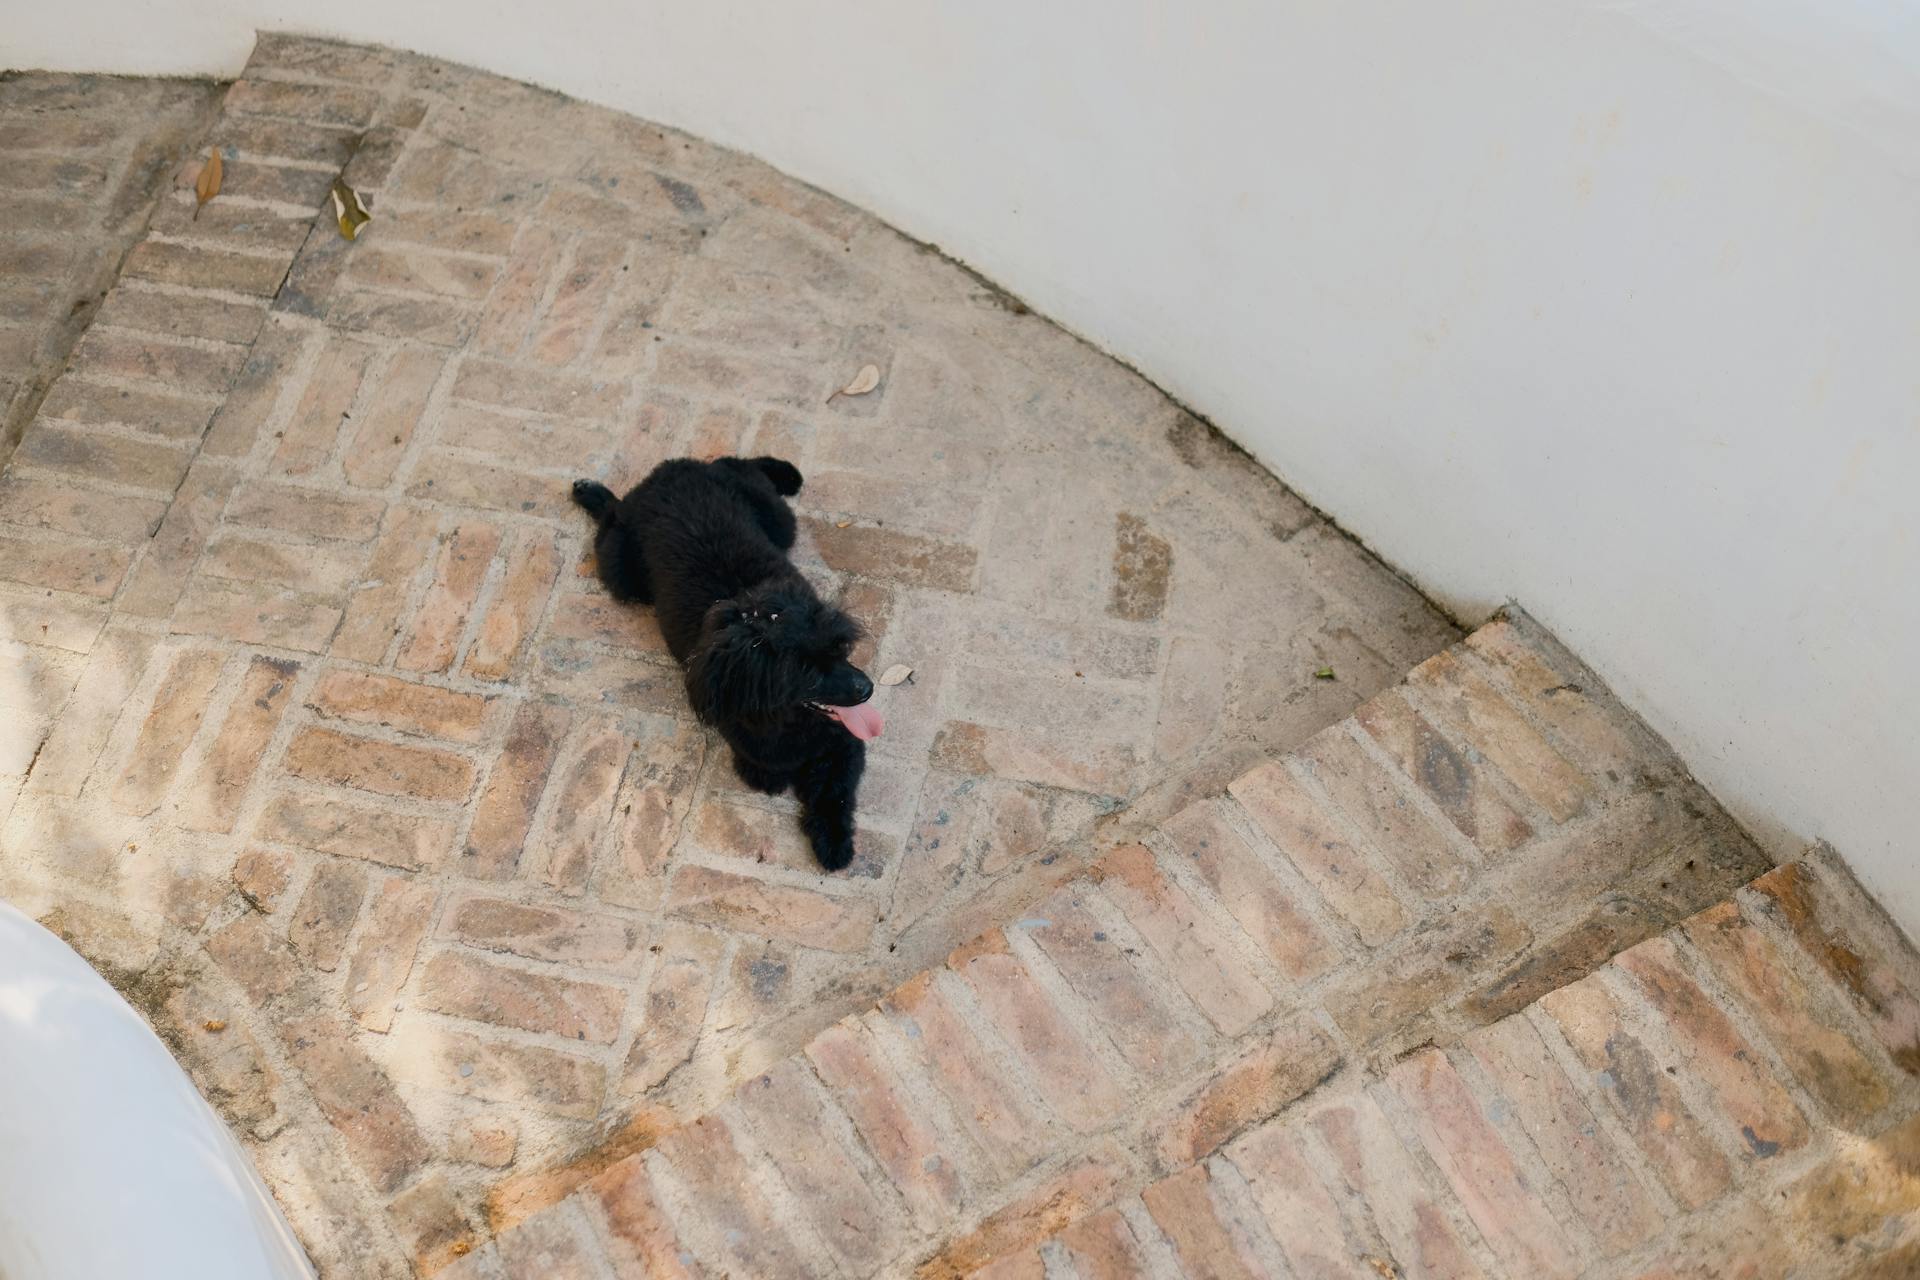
705,543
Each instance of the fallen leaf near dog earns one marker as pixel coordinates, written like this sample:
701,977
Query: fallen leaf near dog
895,674
348,211
864,381
207,185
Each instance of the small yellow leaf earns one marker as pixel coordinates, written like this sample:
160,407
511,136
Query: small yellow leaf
348,211
843,524
864,381
215,1024
895,674
207,185
1324,673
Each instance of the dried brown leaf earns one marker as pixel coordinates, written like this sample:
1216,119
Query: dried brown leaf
864,381
207,185
896,674
348,211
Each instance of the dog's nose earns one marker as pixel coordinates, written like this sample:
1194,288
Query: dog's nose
862,687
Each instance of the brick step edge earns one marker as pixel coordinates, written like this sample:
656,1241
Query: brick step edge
1737,1096
989,1099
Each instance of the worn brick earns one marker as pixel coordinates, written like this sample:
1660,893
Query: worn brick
385,768
207,369
1379,1181
88,569
1301,1214
1063,760
1145,1026
61,623
1288,816
891,556
1482,1172
256,393
896,1131
533,562
1763,1117
1451,777
614,682
159,581
782,912
75,451
419,271
1061,1067
1603,1190
1821,1056
1499,732
1430,966
643,1238
182,315
399,912
1250,892
550,1246
261,876
374,611
79,734
1102,1246
471,988
545,933
1213,977
254,613
746,1234
676,1005
305,512
213,801
1380,808
326,912
461,480
369,698
310,103
500,1071
157,411
1556,697
431,1224
350,829
787,1114
1294,1059
540,391
584,807
1033,1217
320,571
1628,1072
434,636
505,812
207,268
492,1143
179,705
1185,1209
356,1098
307,441
508,317
387,425
578,300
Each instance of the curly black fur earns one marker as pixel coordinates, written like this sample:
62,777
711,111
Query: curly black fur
705,543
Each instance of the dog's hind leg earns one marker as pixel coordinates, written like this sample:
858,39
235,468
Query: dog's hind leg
827,786
598,500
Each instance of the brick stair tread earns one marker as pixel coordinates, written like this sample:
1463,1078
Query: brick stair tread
1469,841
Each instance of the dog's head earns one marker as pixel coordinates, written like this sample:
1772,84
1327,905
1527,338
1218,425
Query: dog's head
774,653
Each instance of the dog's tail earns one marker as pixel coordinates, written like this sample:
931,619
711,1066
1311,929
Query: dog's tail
596,498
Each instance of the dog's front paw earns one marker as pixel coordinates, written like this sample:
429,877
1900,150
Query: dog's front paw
834,854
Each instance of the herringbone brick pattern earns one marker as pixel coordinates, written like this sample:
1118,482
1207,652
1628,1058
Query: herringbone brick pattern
86,159
1468,842
330,750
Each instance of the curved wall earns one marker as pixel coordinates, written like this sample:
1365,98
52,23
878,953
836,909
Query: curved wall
1610,307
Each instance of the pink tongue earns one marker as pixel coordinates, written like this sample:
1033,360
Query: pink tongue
863,722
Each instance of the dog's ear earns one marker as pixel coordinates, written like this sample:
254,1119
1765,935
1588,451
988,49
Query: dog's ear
735,674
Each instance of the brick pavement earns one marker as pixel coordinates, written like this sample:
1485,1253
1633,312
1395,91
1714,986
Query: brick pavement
1468,844
86,160
327,748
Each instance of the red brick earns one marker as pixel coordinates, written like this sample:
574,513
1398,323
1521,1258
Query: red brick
213,801
499,1071
206,370
504,815
373,617
516,296
262,964
1212,977
1518,1228
1303,1218
434,637
898,1134
1380,1182
1062,1068
1644,1096
788,1115
1061,1199
397,919
178,707
319,571
347,829
545,933
326,912
1351,886
75,451
66,508
1454,782
385,768
367,698
584,288
890,556
781,912
254,613
540,391
745,1232
208,268
470,988
1497,731
1555,697
308,440
144,409
89,569
644,1239
616,682
1184,1208
1250,892
228,1065
1102,1247
354,1095
1605,1194
1375,800
676,1006
459,480
1298,1056
262,876
649,811
1821,1056
533,562
312,513
1763,1119
1147,1028
584,806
